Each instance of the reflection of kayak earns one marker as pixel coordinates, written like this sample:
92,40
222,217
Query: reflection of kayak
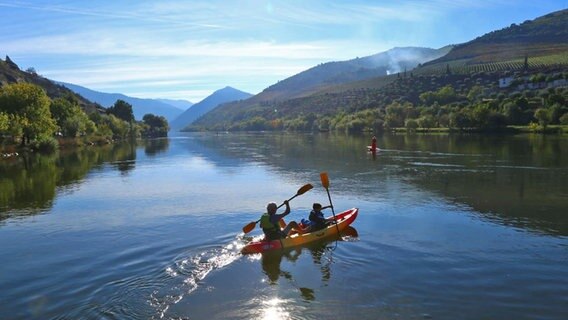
343,219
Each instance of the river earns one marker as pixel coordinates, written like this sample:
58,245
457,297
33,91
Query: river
449,227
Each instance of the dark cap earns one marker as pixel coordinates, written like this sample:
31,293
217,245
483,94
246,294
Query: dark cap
316,206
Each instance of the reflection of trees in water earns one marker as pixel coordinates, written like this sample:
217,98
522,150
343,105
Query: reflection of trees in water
322,256
153,147
125,160
520,180
28,184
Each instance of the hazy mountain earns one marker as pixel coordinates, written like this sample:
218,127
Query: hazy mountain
11,73
180,104
218,97
140,107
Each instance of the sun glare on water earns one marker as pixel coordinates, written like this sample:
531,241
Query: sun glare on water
273,310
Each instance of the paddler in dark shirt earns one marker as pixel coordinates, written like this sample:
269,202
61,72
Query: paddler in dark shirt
317,220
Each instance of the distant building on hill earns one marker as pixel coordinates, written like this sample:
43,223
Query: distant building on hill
505,82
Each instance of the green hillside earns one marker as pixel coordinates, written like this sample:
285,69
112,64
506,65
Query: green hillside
341,72
543,41
534,52
39,115
11,73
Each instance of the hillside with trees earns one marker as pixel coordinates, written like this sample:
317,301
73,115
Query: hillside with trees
454,101
38,114
339,72
11,73
540,40
445,93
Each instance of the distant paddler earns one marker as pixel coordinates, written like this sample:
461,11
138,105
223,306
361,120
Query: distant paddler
373,146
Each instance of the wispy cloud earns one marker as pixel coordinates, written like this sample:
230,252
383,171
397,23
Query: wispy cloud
173,47
143,15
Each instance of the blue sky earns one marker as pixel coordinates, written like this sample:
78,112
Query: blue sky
188,49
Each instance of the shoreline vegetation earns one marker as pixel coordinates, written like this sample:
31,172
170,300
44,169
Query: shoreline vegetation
8,150
550,129
30,121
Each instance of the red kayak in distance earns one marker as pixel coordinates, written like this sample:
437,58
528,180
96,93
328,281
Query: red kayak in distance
343,219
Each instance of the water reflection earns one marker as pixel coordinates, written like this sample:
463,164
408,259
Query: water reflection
273,309
322,256
29,183
518,180
513,180
127,162
271,264
156,146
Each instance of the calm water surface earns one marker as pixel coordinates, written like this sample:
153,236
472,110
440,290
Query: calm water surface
450,227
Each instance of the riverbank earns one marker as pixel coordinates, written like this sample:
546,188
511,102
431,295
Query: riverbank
11,149
551,129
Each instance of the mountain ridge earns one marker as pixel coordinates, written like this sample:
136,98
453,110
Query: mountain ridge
320,77
221,96
337,72
549,44
140,106
532,38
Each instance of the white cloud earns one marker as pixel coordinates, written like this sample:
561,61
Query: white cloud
153,47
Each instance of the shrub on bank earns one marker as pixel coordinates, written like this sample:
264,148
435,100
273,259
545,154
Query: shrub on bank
45,145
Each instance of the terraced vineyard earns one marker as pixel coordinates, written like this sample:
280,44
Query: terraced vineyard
464,66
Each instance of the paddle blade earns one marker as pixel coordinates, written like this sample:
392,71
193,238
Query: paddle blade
249,227
305,188
324,180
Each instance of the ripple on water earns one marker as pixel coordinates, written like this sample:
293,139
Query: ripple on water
187,271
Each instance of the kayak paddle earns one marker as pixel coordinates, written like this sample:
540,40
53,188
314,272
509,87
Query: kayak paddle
325,184
305,188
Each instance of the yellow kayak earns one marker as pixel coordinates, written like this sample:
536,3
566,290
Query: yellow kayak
342,220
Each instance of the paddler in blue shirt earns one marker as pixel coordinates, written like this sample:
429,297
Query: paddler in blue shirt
269,222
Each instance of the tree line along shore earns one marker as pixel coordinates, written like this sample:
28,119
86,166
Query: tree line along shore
31,120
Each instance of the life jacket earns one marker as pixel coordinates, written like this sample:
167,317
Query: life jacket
271,230
317,220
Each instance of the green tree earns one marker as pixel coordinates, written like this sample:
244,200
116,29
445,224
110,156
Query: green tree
118,127
4,122
355,125
474,93
461,119
443,96
157,126
395,116
513,113
556,112
564,119
31,104
411,125
323,124
427,122
522,103
122,110
70,118
542,115
444,120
